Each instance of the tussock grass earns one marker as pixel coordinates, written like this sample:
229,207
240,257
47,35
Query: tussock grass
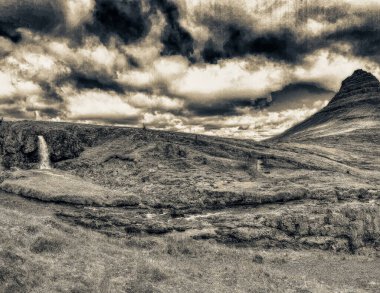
39,253
47,245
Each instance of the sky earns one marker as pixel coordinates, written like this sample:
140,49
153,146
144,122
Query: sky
234,68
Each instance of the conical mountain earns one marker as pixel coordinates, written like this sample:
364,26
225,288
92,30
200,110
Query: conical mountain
354,111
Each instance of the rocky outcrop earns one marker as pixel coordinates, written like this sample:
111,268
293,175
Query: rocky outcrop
359,82
19,142
346,227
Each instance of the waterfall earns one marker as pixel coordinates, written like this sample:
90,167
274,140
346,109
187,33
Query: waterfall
260,165
43,153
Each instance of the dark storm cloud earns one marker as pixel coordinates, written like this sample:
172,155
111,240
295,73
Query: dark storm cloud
40,15
241,41
211,53
296,95
301,86
133,62
10,101
14,112
330,14
54,103
226,108
128,20
365,38
176,40
123,18
50,92
237,34
360,28
50,112
237,37
9,32
83,81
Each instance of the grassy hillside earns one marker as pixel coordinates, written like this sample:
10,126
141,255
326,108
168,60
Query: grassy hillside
133,210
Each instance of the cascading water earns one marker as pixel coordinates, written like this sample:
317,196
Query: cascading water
43,153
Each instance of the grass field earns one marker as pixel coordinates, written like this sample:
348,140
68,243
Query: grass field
41,254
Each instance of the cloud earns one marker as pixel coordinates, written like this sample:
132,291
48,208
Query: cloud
248,29
131,21
83,81
125,19
328,69
253,124
233,68
364,38
229,80
175,38
280,30
21,98
96,105
297,95
9,33
37,15
78,12
154,103
11,87
227,108
242,41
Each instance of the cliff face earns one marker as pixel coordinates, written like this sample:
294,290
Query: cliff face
19,140
19,143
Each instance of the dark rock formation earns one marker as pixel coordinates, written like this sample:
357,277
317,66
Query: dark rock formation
359,82
19,143
345,227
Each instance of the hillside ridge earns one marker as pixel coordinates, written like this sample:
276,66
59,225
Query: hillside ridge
355,106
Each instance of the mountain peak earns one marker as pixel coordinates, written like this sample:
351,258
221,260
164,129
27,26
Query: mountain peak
360,76
360,81
355,107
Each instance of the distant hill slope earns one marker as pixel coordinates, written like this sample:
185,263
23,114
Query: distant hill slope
353,113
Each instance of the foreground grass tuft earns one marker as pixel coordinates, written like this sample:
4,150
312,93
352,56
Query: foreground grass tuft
47,245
